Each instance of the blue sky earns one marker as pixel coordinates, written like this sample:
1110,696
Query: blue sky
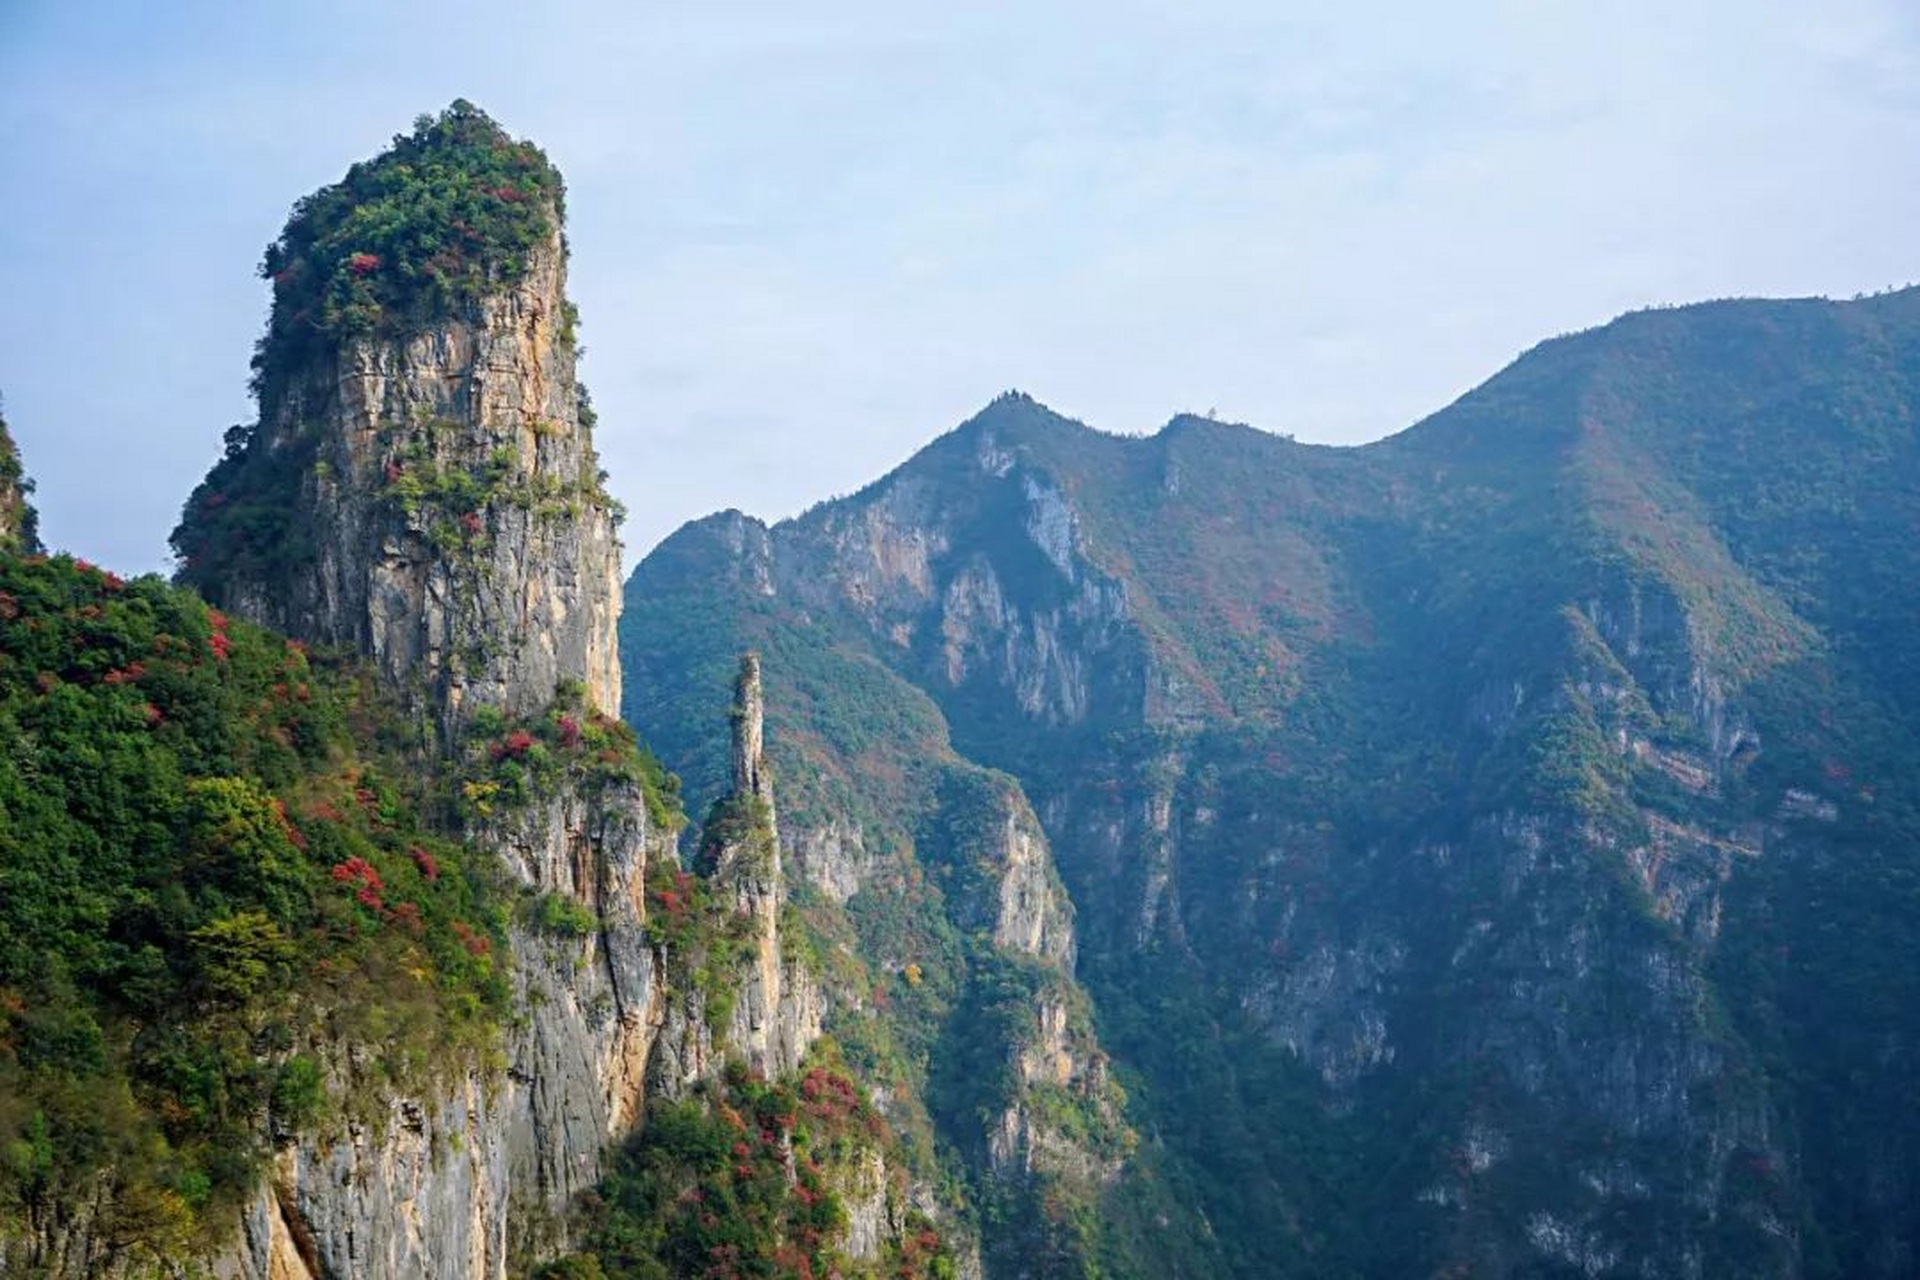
806,243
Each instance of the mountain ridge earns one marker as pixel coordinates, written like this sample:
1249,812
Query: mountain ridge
1556,644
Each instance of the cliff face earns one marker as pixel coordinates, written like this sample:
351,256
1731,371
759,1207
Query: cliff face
444,510
952,983
436,506
19,529
1426,808
777,1007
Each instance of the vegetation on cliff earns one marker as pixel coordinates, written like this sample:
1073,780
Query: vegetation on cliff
447,215
19,523
1504,832
216,878
451,213
751,1179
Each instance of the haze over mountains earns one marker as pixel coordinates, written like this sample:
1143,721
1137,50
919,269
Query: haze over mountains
1490,851
1503,832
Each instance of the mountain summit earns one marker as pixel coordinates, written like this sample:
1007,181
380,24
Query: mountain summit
1492,850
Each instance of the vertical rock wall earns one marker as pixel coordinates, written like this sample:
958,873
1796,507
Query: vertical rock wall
449,517
448,521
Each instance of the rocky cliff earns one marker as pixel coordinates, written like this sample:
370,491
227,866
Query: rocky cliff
18,524
422,487
952,989
1426,807
387,962
436,507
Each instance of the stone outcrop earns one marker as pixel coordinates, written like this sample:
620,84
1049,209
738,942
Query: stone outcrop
19,526
449,513
777,1009
447,520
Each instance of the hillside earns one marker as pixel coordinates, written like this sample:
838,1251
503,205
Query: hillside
1493,850
344,930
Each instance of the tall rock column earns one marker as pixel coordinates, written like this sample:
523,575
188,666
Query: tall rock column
776,1014
749,736
421,487
422,484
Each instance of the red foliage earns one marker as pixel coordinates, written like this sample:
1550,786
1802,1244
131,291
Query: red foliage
154,715
472,524
286,827
321,811
357,870
515,744
394,471
218,642
476,944
125,675
424,860
364,264
511,194
569,731
407,916
828,1096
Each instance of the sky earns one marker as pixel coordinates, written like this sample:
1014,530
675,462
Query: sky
806,243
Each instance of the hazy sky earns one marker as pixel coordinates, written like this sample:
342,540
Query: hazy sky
804,243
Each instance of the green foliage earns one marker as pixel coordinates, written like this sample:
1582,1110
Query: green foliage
561,916
450,213
453,212
19,523
1576,726
204,860
748,1179
741,826
510,764
235,523
704,935
299,1093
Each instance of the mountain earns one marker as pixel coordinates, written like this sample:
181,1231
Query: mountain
344,930
1490,851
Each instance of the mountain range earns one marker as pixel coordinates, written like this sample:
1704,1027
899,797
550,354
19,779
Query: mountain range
1490,851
